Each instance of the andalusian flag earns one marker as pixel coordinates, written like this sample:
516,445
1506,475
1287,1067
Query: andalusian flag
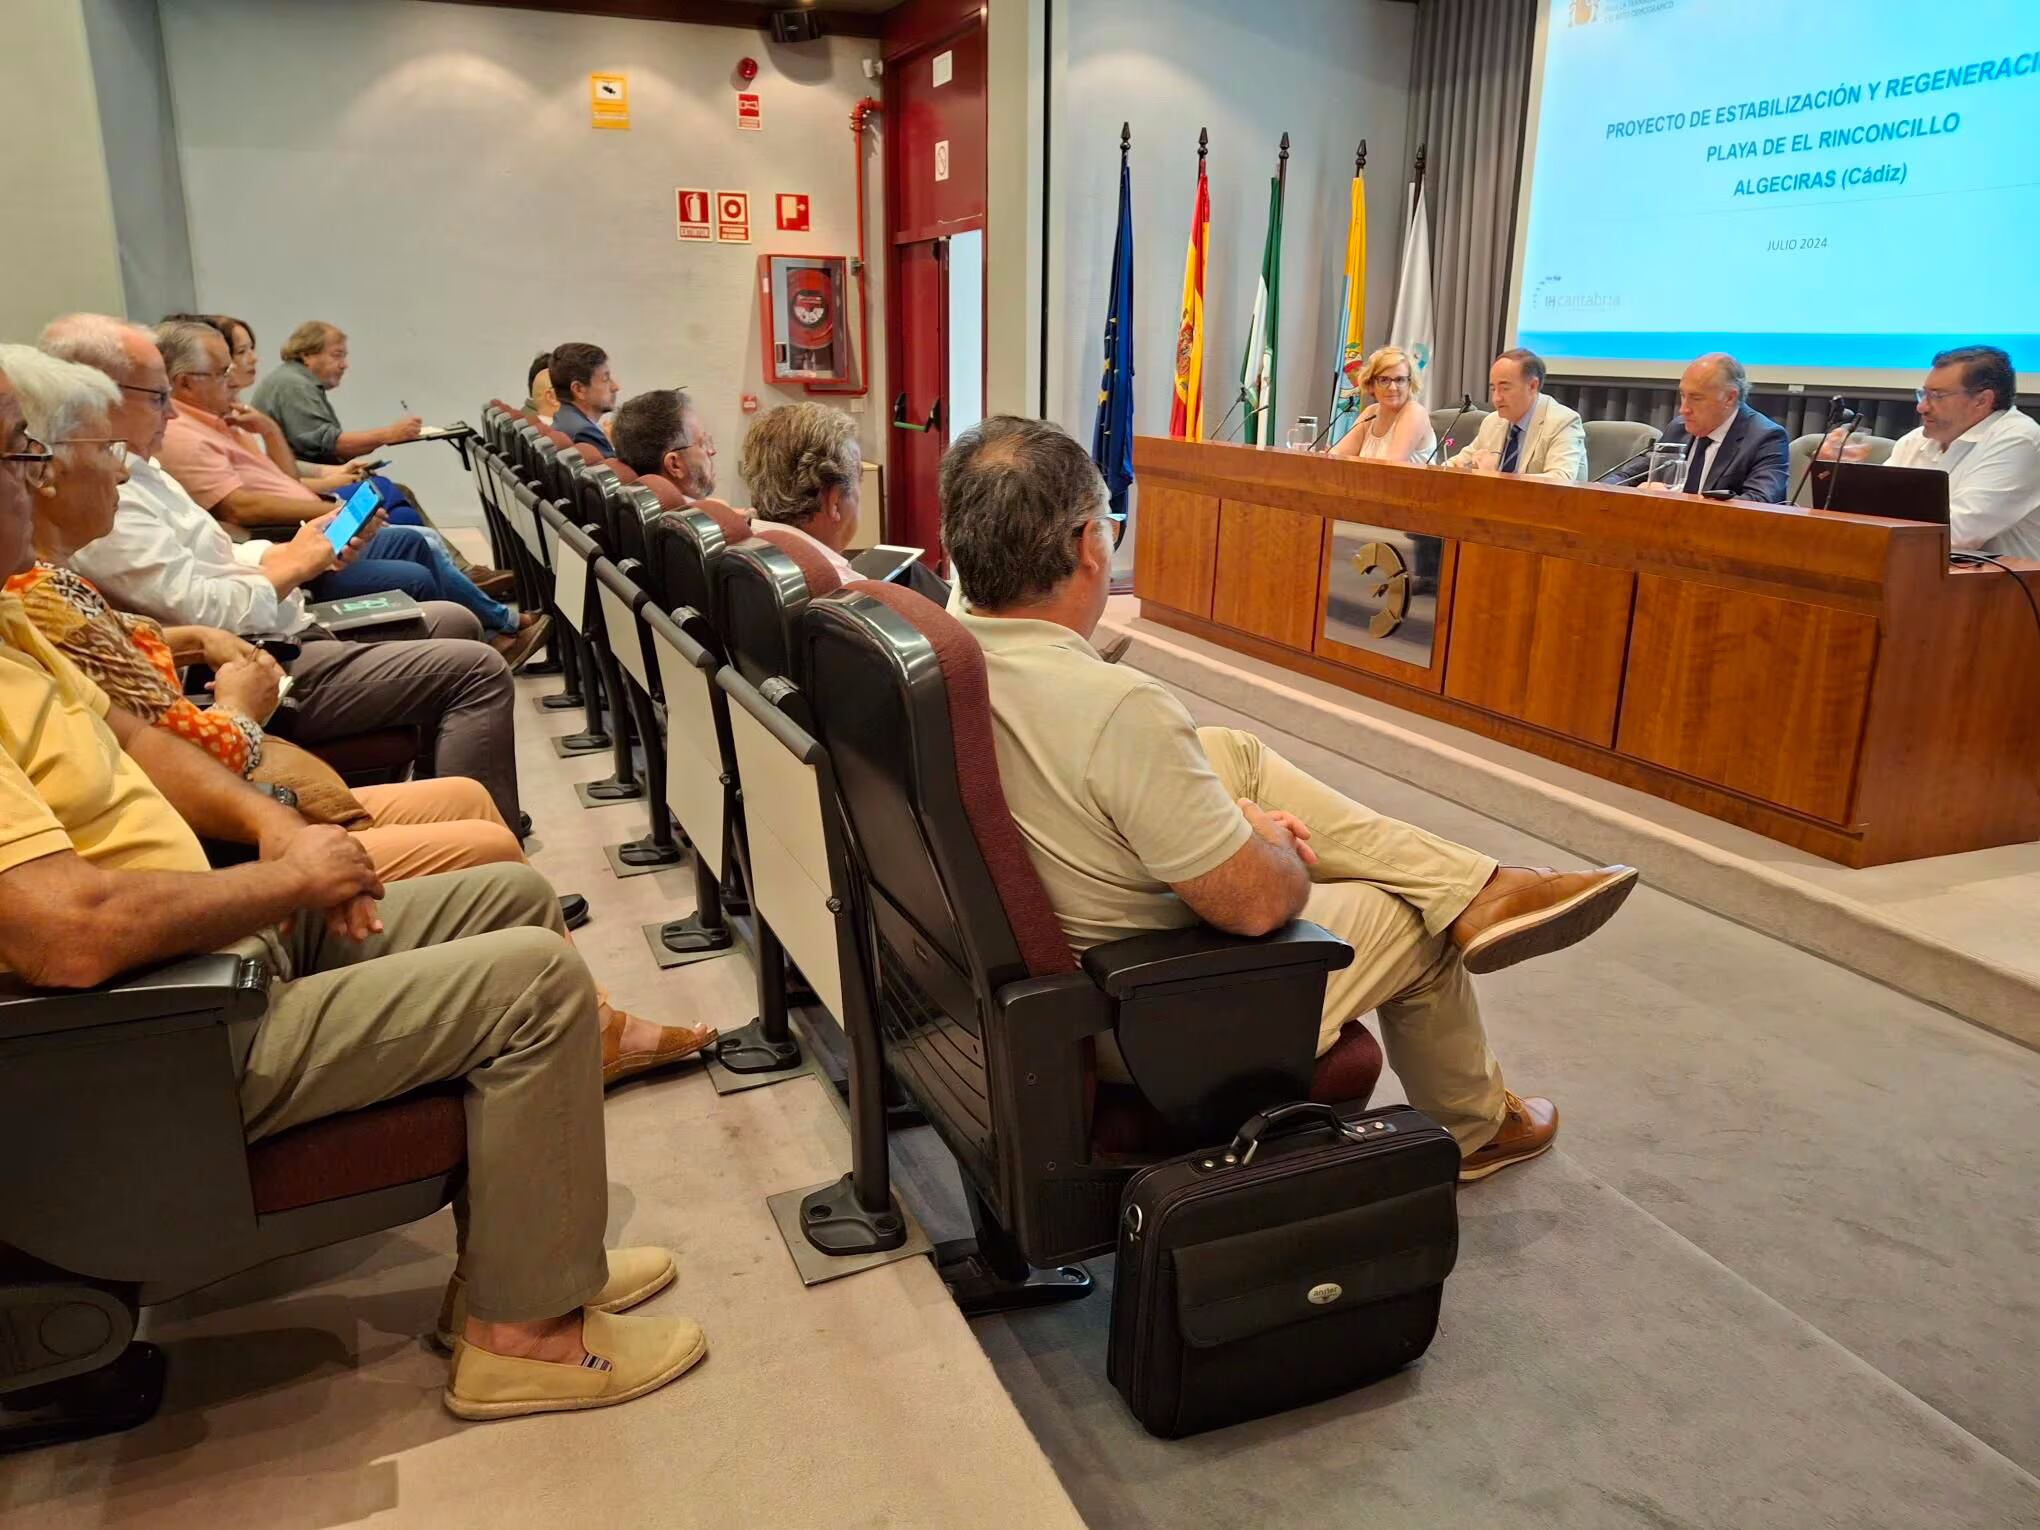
1186,412
1257,367
1347,399
1413,328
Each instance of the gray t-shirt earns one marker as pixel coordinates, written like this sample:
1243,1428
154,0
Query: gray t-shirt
294,398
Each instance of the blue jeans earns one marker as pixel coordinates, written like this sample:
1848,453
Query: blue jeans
408,559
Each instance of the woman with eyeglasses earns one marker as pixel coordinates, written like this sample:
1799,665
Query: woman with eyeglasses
1392,428
411,829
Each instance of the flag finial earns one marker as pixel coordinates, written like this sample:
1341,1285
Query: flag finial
1125,139
1203,146
1360,158
1285,147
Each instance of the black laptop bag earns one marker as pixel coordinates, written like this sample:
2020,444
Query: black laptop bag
1304,1259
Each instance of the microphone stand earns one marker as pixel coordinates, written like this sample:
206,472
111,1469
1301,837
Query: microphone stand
1610,474
1836,408
1835,478
1465,403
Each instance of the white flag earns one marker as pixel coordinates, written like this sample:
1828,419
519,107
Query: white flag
1412,327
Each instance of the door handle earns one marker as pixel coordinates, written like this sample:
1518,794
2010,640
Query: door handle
901,422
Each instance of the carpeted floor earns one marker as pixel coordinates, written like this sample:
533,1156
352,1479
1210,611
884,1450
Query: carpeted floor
1782,1270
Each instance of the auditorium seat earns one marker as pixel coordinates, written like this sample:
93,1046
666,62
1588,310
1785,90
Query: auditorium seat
1803,448
1611,443
1459,424
124,1099
989,1021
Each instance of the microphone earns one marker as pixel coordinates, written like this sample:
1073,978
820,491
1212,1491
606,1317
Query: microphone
1329,423
1837,412
1465,403
1252,414
1610,474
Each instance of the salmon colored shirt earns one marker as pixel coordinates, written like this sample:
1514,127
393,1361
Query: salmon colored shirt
212,459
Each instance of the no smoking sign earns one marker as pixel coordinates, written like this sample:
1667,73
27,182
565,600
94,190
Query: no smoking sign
733,217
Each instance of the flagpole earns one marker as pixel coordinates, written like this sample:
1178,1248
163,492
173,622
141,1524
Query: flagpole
1339,361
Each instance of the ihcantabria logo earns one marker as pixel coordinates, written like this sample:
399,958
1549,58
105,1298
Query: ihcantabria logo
1585,12
1547,297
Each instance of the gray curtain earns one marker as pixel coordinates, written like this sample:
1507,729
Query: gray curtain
1469,76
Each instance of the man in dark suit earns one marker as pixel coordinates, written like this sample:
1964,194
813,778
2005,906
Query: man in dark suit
587,390
1729,446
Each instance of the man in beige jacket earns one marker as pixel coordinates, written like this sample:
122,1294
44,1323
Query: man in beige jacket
1528,435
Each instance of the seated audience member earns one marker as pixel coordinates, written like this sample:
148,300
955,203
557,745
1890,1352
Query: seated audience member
1731,447
1138,820
399,504
586,390
659,434
1394,428
539,397
803,466
375,992
245,487
294,395
167,559
1973,430
1528,435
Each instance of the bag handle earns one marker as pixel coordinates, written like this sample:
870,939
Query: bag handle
1281,1120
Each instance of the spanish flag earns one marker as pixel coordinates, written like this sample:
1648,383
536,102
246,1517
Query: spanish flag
1186,411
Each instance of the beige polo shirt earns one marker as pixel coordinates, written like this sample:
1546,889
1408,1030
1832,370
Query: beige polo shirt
1105,777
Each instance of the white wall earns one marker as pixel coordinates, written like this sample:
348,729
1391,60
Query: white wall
1329,72
425,176
54,203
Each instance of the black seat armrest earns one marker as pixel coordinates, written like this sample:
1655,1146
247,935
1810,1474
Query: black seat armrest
1214,1027
1124,969
218,987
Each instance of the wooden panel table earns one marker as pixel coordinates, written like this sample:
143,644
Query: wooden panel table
1824,679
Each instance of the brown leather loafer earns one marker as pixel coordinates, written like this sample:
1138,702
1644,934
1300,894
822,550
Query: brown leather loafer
676,1044
516,647
1528,1128
1532,911
496,583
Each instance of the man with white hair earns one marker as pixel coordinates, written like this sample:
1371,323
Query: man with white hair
166,558
1731,451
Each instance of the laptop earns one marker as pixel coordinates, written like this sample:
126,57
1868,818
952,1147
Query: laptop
1871,488
885,562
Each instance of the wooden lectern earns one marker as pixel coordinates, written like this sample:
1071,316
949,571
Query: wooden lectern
1824,679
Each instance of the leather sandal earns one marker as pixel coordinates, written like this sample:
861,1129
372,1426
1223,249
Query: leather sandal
676,1045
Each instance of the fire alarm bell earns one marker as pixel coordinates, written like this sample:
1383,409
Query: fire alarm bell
806,340
747,69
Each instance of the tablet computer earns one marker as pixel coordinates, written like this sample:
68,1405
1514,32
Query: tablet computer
885,562
361,504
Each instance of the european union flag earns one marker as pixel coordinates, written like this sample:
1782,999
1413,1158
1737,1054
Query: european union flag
1112,435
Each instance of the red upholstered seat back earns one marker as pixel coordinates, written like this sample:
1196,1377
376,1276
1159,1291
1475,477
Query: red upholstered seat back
557,437
589,454
735,526
1043,946
624,472
669,498
820,573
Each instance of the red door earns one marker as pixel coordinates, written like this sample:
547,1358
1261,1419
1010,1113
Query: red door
918,425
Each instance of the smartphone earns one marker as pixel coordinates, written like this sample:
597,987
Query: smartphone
376,466
361,504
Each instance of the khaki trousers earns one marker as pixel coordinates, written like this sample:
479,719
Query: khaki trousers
422,828
1390,891
470,979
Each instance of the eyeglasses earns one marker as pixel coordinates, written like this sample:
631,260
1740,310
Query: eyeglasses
1941,395
1116,520
109,446
33,463
1391,382
160,397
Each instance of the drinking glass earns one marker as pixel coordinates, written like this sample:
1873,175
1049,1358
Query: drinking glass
1303,434
1667,466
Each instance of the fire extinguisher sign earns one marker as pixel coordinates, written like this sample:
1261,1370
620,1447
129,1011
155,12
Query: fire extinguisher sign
691,213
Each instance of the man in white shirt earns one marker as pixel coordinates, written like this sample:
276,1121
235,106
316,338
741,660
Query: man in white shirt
1528,435
168,559
1971,429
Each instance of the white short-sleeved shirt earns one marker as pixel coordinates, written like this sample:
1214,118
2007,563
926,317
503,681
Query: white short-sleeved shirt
1993,473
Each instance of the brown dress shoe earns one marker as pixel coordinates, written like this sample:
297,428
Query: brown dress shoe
677,1043
1528,1128
1527,911
516,647
496,583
